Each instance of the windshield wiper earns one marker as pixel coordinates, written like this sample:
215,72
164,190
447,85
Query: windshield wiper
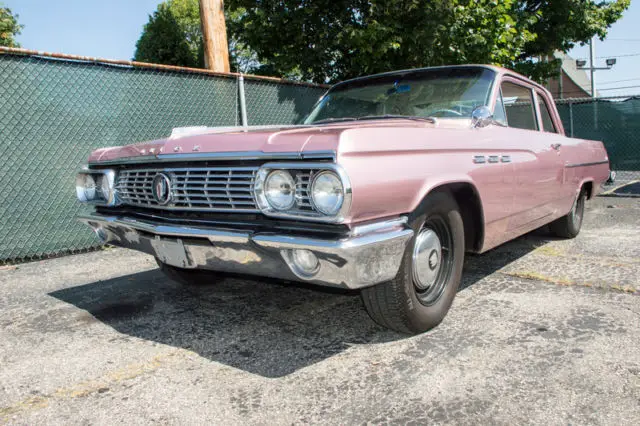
333,120
406,117
374,117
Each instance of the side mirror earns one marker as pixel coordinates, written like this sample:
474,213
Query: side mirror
481,117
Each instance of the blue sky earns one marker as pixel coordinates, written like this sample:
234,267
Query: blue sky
105,29
110,29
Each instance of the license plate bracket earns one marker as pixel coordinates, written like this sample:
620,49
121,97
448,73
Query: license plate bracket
171,252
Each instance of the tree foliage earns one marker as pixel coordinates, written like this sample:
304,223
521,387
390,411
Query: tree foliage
9,28
173,36
330,40
168,37
560,25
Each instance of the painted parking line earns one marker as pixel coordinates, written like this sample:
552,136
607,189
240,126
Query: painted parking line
628,188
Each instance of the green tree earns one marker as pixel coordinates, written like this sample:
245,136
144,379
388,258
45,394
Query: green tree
330,40
9,28
559,26
176,25
164,40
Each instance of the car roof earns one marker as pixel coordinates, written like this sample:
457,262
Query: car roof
500,71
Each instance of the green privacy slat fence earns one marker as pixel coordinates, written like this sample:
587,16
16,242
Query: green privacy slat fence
269,103
615,121
54,112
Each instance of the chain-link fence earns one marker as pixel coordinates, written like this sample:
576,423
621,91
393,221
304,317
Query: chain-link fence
55,109
613,120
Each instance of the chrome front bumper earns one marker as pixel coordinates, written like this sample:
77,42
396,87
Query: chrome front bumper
368,255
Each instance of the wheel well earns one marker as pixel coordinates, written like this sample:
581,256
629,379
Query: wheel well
588,187
468,200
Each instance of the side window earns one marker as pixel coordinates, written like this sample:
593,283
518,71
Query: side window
518,105
498,113
547,122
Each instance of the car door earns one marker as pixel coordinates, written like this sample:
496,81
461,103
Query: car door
553,133
537,164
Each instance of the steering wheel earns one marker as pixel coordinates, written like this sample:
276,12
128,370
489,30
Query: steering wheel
446,111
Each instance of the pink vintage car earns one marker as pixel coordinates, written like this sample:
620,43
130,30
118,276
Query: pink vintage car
382,188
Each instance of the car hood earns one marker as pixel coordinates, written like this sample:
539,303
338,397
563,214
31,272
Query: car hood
292,140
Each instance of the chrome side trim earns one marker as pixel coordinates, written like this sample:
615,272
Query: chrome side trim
593,163
400,222
319,155
219,156
481,159
353,261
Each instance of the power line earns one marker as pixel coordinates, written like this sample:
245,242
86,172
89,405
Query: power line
619,88
586,93
565,92
619,56
626,55
618,81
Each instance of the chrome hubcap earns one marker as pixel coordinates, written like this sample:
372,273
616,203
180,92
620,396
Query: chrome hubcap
427,259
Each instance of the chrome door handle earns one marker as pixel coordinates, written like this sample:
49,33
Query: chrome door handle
556,146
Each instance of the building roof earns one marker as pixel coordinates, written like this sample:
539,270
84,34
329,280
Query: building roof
578,76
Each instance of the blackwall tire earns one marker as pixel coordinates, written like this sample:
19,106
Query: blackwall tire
420,296
569,226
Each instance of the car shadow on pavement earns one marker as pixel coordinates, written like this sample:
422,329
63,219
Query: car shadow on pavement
477,267
266,328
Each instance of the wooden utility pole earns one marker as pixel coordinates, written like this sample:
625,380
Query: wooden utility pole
214,34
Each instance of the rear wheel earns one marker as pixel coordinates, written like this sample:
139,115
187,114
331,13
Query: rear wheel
569,226
419,297
189,277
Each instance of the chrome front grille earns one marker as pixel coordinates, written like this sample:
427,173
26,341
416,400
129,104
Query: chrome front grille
303,187
209,189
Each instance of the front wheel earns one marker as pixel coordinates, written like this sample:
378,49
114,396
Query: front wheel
420,296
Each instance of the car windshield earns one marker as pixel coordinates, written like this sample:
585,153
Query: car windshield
438,92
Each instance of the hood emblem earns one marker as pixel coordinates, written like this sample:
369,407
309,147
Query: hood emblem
161,189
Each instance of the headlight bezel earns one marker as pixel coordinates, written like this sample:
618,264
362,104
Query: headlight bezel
296,213
100,177
312,197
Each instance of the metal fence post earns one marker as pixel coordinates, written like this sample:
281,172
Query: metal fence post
571,119
243,101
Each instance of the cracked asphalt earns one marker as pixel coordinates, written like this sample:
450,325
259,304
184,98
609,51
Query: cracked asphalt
542,332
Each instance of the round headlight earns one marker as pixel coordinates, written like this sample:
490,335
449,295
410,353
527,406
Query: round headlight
327,193
280,189
103,182
89,187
